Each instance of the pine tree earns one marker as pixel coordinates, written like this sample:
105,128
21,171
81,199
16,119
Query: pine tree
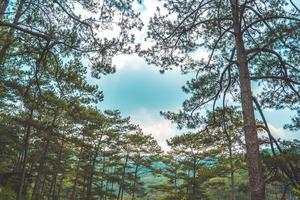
240,35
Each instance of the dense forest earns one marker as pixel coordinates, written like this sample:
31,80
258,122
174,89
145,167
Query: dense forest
57,143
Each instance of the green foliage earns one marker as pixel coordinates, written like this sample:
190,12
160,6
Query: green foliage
55,143
249,43
7,193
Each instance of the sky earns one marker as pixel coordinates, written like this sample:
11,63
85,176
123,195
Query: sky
141,92
138,90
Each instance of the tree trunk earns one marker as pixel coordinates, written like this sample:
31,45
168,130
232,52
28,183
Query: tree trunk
112,187
194,176
257,186
187,187
103,175
17,163
90,181
50,191
134,182
11,30
43,186
175,183
106,190
60,187
37,184
120,193
24,163
74,189
55,176
73,195
232,180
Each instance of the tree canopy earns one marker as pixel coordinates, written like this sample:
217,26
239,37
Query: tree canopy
56,142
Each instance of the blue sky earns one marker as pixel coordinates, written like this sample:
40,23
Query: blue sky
138,90
142,86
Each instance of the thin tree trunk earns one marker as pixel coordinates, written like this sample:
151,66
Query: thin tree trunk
37,185
84,186
187,187
194,176
106,190
50,192
17,163
43,186
232,179
257,186
26,147
55,176
73,195
20,162
103,172
60,187
112,187
74,189
134,181
90,181
36,189
120,193
175,183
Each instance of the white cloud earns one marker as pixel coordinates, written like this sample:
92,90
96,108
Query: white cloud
134,61
128,61
106,30
154,124
148,12
279,132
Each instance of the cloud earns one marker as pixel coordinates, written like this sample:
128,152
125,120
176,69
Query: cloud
149,8
281,133
154,124
128,61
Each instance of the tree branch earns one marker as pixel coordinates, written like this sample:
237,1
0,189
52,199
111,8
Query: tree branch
25,30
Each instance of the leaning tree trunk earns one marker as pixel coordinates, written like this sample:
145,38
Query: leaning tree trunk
257,186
